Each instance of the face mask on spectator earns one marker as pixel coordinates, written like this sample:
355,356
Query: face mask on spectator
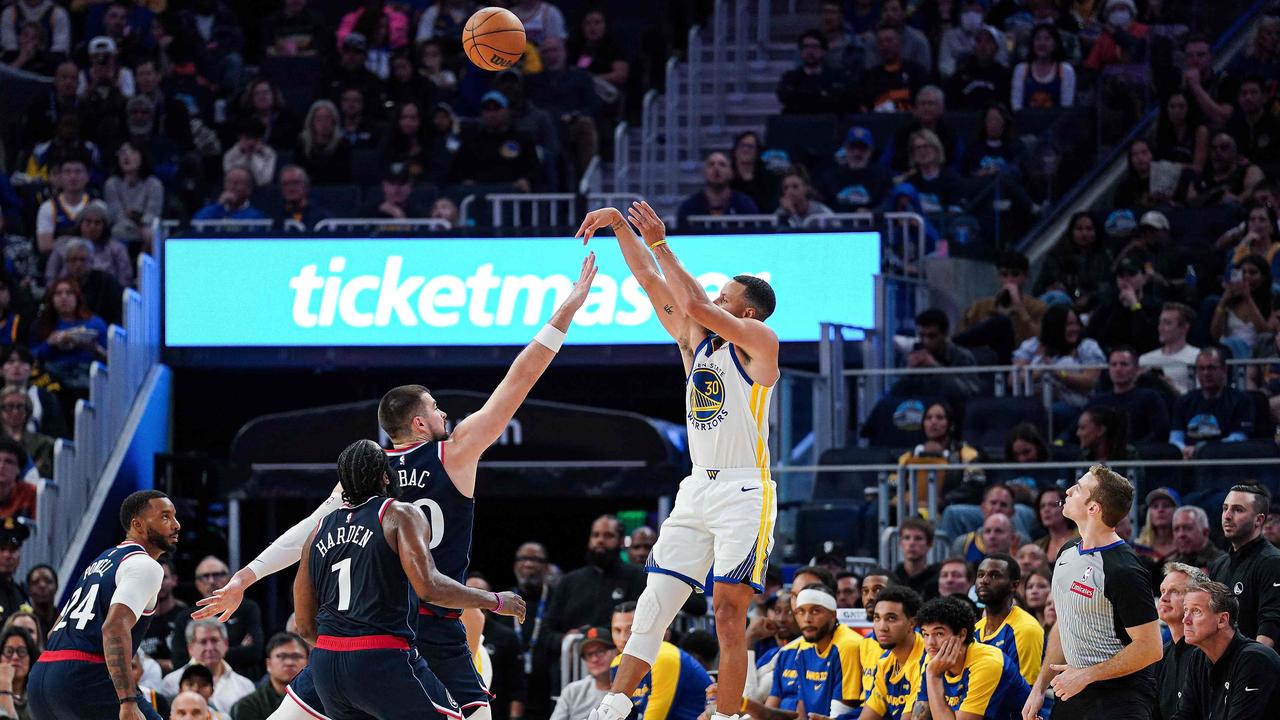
1120,18
971,21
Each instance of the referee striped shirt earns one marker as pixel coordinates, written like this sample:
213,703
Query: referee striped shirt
1098,592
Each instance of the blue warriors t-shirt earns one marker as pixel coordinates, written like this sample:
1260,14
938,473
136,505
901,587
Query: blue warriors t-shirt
675,689
991,685
818,678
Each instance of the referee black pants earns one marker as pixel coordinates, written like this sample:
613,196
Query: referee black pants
1126,697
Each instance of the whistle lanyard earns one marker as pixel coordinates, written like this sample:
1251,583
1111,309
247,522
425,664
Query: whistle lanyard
537,630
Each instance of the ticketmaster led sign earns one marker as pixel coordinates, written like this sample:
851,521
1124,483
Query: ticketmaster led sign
307,292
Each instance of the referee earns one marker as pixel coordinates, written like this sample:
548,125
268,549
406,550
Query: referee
1100,653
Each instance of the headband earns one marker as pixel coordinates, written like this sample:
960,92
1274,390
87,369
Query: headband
816,597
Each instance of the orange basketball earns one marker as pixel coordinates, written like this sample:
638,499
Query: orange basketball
493,38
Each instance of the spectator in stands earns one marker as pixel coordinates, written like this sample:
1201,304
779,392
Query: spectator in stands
357,129
1163,264
498,153
1181,133
445,19
1214,623
997,499
1135,190
1123,39
876,579
798,202
832,26
915,540
321,149
49,15
407,143
982,78
102,292
32,54
1059,530
541,20
432,66
191,705
42,590
1256,236
1129,313
854,182
16,363
44,112
221,42
1255,129
716,197
295,198
540,644
155,643
57,216
750,176
640,544
1215,412
1103,433
814,86
935,349
286,657
171,117
1262,58
134,197
252,153
20,653
107,74
1061,348
17,496
397,189
914,45
1172,668
208,646
1046,80
1032,557
578,698
14,315
1024,444
941,446
1078,269
233,203
405,83
263,101
1208,88
70,336
583,595
1252,563
531,119
292,31
199,681
928,113
996,149
397,22
891,83
15,412
1175,355
1146,409
1157,529
1242,312
13,532
447,210
1191,544
106,254
1229,178
568,94
961,42
242,635
350,72
1008,318
938,186
1036,588
955,577
848,589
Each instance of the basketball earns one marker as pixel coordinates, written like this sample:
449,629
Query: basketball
493,38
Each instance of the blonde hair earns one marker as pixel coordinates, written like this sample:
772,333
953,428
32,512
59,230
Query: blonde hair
932,138
308,140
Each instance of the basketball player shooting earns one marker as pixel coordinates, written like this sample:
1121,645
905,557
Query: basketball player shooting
724,512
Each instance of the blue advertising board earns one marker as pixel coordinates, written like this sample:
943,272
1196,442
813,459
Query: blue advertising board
375,292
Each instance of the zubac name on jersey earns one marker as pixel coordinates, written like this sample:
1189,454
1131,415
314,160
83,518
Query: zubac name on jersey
79,627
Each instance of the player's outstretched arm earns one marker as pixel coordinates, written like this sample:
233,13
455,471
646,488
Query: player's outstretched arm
283,552
646,272
305,604
409,534
478,431
757,339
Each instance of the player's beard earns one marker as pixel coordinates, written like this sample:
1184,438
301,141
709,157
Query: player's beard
603,559
160,541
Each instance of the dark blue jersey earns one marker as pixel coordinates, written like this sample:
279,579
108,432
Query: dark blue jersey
79,627
419,469
360,586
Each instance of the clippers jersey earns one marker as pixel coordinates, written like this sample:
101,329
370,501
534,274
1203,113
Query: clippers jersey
79,627
419,470
726,413
360,586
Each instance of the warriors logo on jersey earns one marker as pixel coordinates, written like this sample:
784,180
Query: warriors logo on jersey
706,398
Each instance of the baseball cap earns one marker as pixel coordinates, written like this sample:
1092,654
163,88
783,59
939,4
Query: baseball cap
1154,219
102,45
495,97
1169,493
1127,267
593,636
859,135
356,41
397,173
14,532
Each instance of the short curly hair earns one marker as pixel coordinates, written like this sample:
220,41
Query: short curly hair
955,614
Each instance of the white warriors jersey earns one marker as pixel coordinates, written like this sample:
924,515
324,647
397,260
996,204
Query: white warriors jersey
726,414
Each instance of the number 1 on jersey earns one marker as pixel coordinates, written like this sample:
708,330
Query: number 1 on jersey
343,568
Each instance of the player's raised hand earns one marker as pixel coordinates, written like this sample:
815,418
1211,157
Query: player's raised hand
223,603
578,295
596,220
646,220
512,606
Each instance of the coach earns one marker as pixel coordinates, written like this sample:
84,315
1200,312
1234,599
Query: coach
1101,651
1251,571
1231,672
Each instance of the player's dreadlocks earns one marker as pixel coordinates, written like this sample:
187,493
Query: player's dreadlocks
361,468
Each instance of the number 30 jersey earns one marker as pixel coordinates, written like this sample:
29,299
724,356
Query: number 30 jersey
79,627
419,471
726,413
360,584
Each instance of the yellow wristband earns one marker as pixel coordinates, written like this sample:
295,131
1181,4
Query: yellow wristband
655,245
744,705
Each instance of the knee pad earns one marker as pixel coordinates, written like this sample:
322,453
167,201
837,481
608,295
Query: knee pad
662,598
479,712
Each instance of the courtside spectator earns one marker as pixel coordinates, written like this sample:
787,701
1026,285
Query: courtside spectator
233,203
814,86
295,197
716,198
915,540
286,657
1031,558
252,152
397,187
1253,565
206,644
750,176
955,577
1215,412
1174,358
1191,544
1157,529
1146,409
243,633
578,698
584,595
1171,673
1036,588
798,202
1231,670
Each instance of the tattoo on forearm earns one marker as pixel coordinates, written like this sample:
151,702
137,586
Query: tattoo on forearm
668,308
118,662
616,226
920,711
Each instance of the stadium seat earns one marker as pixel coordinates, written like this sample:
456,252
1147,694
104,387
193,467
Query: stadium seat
366,167
809,139
895,422
287,72
1221,478
829,486
1264,428
340,200
818,524
266,199
987,421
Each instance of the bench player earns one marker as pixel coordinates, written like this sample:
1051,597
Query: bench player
85,670
356,598
436,471
724,512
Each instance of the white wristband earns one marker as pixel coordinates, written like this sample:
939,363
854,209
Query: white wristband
550,337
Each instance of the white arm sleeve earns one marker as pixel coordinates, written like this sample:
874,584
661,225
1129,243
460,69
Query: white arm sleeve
1068,97
137,583
287,549
44,218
